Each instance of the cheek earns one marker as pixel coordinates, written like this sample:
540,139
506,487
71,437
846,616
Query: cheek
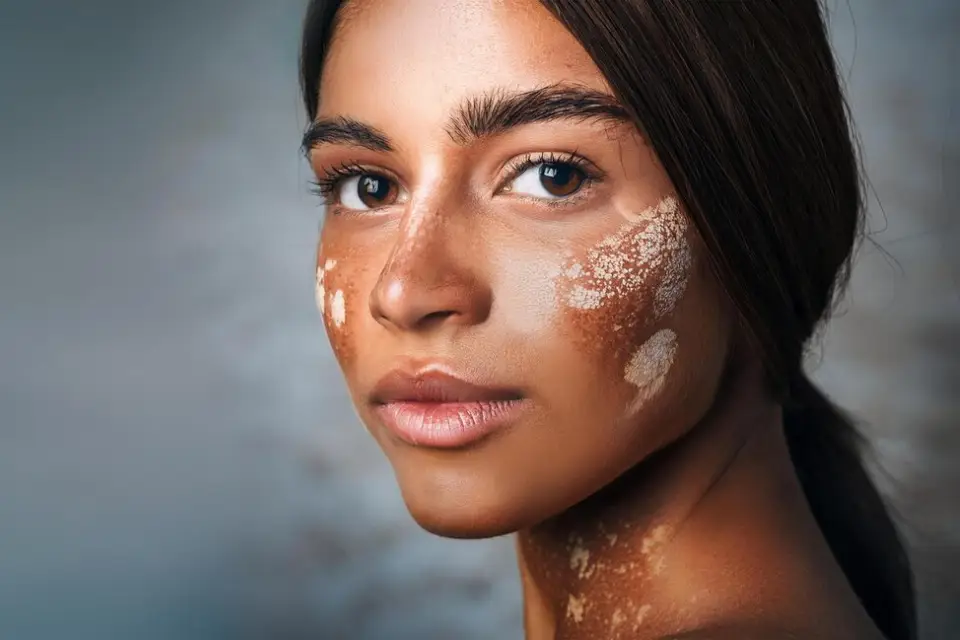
618,298
337,301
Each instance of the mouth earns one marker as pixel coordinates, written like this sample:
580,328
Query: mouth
435,409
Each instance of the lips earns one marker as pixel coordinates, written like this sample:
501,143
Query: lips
435,386
432,408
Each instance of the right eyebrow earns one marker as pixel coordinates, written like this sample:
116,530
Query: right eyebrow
489,114
340,130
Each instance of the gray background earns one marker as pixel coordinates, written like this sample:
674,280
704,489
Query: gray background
178,458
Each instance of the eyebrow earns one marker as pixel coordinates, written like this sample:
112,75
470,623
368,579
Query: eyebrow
341,130
482,116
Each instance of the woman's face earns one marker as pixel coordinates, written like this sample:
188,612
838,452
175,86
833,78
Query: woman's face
494,217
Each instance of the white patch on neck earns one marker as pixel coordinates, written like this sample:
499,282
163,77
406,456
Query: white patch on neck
576,607
649,365
641,616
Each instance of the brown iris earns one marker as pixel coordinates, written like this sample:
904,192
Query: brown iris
560,179
375,190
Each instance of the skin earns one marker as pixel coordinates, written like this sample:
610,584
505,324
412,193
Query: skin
647,505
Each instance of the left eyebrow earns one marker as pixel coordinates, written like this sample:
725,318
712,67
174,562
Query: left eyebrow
496,112
483,116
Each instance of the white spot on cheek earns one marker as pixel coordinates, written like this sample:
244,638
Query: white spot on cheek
648,367
574,271
583,298
675,280
622,265
338,309
319,292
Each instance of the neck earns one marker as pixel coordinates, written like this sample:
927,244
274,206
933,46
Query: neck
633,560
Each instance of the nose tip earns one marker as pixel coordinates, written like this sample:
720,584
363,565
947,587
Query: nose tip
409,301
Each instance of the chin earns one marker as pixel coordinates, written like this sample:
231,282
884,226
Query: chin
465,523
463,528
459,508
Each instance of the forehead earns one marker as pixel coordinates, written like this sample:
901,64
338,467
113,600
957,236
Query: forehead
397,58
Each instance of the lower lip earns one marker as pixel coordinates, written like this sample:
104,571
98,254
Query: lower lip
448,425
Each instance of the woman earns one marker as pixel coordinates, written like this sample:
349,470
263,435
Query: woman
571,256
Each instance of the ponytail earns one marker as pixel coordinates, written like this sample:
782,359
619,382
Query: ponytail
825,447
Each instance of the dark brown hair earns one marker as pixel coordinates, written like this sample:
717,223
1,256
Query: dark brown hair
742,103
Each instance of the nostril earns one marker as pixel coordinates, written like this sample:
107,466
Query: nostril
435,317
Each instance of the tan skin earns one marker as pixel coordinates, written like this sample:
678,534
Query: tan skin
645,507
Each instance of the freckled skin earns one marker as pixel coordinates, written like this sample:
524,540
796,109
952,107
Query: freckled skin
691,493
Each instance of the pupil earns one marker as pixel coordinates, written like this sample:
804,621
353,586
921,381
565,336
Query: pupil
560,179
374,188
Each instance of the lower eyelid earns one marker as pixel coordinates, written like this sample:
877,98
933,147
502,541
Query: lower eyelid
575,198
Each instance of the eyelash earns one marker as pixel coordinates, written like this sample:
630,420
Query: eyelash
326,186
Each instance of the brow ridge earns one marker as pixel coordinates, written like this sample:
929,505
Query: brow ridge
489,114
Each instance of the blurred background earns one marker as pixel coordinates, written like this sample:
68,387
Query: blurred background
178,456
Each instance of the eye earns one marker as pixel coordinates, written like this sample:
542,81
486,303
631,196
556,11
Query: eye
549,180
366,191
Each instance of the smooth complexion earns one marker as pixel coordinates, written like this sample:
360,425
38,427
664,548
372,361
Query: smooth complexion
647,476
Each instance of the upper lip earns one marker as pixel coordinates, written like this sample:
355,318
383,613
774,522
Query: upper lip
435,386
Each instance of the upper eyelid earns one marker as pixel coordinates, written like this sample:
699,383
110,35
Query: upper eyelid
524,162
349,169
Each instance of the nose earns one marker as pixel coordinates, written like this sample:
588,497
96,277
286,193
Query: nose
432,278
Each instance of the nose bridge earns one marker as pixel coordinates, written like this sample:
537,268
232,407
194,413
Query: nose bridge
430,278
